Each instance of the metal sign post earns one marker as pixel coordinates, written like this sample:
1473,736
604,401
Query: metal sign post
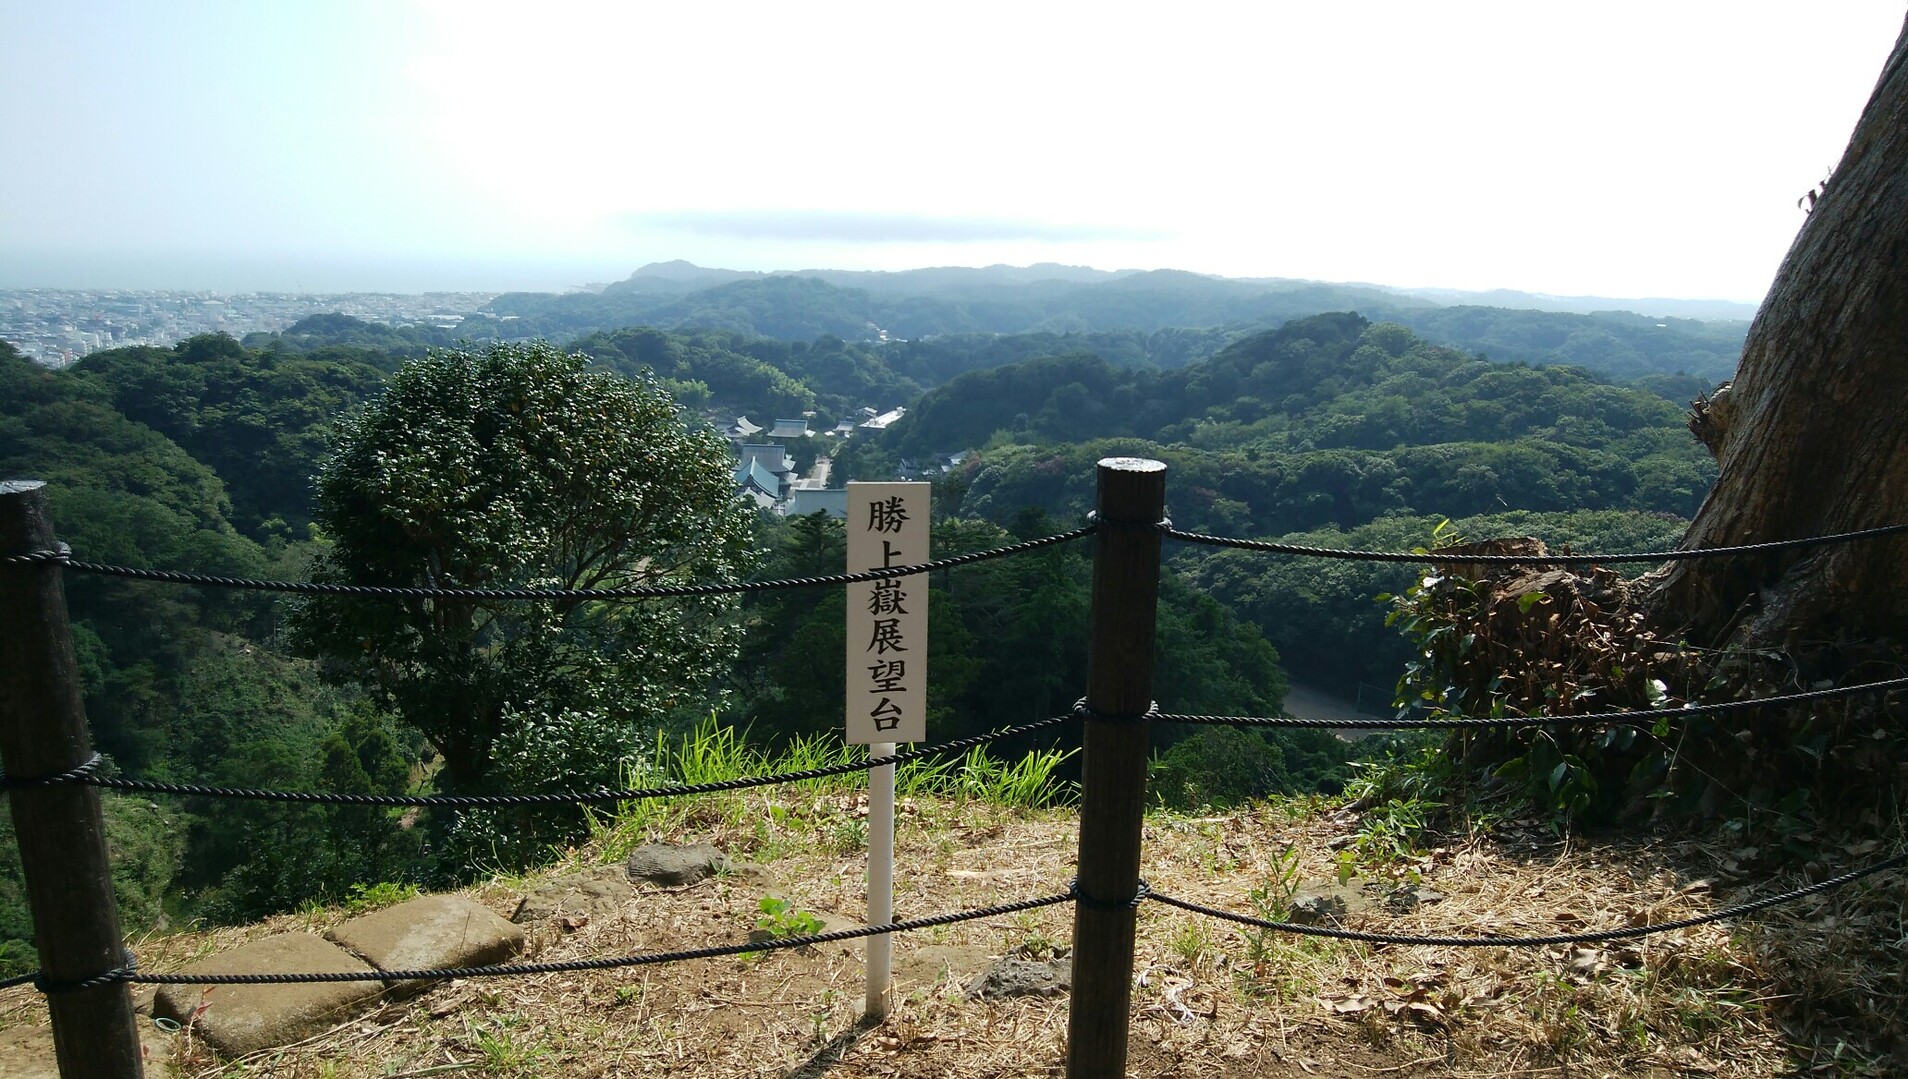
887,677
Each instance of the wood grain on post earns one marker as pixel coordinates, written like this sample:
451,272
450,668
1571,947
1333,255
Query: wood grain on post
1132,499
61,832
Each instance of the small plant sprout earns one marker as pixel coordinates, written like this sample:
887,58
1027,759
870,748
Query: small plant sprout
780,919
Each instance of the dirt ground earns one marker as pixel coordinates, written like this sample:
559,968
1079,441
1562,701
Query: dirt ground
1778,997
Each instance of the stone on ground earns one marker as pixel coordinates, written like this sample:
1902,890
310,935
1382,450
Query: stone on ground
596,893
1327,904
668,865
428,932
1014,977
240,1019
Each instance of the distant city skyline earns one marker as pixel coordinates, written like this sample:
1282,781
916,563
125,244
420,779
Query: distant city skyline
1635,150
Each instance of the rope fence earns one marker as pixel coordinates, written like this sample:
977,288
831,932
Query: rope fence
1587,719
1591,937
63,558
1136,533
1306,551
608,963
84,774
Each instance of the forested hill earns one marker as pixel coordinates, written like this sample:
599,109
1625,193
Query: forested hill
1335,420
1329,431
763,376
837,373
790,306
992,282
929,303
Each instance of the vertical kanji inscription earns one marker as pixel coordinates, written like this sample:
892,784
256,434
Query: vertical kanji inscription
887,618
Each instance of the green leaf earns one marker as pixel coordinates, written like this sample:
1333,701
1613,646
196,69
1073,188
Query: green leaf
1559,774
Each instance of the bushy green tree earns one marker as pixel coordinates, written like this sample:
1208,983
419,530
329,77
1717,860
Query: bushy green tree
518,467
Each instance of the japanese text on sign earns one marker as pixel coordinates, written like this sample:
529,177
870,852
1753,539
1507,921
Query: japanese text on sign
887,619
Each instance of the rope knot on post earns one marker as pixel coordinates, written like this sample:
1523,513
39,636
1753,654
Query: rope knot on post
71,775
1088,715
61,554
1164,526
1141,895
129,966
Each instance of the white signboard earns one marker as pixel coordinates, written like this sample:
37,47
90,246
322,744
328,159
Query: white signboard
888,618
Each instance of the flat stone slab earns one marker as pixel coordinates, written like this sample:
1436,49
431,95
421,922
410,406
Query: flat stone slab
597,893
427,932
240,1019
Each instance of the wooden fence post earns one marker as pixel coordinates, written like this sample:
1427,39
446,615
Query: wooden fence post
61,832
1132,500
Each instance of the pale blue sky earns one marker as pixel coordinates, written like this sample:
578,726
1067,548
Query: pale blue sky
1623,149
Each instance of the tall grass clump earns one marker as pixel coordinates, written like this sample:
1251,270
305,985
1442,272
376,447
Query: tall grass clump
714,752
1025,783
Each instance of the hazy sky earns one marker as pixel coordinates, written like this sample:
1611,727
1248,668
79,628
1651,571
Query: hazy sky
1618,149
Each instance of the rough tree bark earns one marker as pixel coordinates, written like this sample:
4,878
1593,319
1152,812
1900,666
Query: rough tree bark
1812,435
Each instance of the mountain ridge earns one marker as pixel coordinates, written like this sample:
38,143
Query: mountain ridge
676,272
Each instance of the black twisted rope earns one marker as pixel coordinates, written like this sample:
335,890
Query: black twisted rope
1512,722
629,592
565,797
1272,547
19,980
648,959
1488,941
71,775
84,772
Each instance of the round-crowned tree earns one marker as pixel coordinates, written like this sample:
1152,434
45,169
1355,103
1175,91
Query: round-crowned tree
521,467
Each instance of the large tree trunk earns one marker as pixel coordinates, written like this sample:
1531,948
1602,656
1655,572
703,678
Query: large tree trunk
1812,436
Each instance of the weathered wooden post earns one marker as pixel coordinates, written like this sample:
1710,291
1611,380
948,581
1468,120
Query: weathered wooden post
1132,500
61,832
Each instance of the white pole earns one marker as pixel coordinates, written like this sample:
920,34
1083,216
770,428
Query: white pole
880,877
